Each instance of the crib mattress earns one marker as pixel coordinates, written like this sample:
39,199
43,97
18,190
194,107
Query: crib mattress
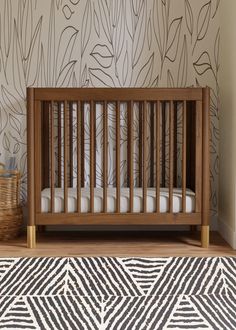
111,200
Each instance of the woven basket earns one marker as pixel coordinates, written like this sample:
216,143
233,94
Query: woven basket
11,217
10,223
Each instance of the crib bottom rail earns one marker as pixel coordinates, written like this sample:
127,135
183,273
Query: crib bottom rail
118,219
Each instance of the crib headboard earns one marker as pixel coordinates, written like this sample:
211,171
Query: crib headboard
166,145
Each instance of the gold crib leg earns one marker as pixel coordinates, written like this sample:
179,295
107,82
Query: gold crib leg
31,237
205,236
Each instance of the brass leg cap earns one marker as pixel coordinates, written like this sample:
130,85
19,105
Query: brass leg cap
205,230
31,237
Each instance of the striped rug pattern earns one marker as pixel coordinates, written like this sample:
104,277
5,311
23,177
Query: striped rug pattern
118,293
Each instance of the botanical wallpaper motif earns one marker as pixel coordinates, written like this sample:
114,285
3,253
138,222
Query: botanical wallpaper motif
148,43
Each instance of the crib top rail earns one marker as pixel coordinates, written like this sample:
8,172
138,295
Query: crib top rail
118,94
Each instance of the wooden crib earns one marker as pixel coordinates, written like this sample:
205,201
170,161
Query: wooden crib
160,136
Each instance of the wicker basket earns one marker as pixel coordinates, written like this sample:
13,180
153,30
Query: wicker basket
11,217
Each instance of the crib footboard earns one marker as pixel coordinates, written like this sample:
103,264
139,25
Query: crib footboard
122,156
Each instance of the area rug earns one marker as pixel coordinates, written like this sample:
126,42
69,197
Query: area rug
118,293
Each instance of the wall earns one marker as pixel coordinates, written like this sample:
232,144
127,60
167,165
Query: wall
228,122
104,43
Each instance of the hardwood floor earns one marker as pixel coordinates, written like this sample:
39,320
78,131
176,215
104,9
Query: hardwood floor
117,244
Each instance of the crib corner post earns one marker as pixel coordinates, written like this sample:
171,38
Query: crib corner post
205,168
30,168
31,237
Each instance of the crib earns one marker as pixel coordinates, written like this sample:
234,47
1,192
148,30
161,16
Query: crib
118,156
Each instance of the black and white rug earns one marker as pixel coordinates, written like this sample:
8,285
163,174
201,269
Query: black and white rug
118,293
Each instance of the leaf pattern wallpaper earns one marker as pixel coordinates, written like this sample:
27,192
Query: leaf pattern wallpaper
104,43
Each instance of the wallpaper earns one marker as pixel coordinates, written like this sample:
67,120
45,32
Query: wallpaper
101,43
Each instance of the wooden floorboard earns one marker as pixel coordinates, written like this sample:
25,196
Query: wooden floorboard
117,244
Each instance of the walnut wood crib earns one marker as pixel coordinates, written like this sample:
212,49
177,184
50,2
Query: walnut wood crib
120,156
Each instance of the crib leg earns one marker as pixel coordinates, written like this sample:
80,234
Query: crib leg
31,237
205,236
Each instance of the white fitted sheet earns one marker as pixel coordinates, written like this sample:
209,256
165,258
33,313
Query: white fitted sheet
111,200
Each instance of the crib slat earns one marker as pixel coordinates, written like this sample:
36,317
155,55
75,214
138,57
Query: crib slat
171,146
152,141
130,157
140,112
105,128
82,144
198,163
45,145
92,164
59,144
144,157
158,156
175,169
118,157
71,143
52,157
163,141
65,157
78,157
95,145
184,130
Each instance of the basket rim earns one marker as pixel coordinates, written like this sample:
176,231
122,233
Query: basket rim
4,171
12,172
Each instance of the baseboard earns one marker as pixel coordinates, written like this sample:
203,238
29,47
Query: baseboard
214,223
227,233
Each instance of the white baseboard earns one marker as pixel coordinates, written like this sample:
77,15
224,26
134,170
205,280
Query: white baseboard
214,223
227,233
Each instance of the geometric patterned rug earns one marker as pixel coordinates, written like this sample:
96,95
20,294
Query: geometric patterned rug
118,293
